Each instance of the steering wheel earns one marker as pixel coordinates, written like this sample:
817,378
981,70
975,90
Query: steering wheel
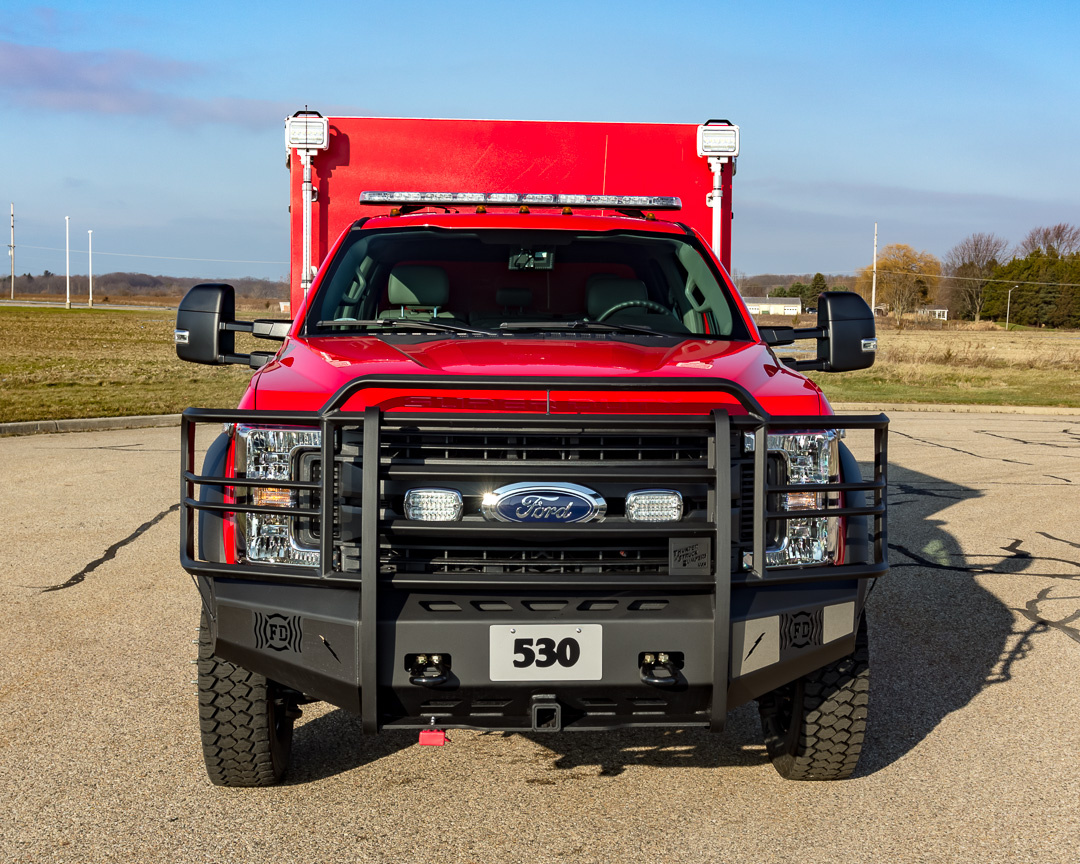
626,304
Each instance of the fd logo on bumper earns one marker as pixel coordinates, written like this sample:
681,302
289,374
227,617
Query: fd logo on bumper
278,632
544,502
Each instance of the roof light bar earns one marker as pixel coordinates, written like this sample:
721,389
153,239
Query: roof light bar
513,199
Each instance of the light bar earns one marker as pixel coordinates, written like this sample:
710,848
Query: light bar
654,505
433,505
514,199
307,132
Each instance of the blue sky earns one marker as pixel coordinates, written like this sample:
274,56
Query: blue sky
159,126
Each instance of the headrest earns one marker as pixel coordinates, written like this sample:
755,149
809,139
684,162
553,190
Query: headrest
605,291
418,285
513,297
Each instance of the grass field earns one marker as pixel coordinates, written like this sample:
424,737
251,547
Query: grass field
59,363
1033,367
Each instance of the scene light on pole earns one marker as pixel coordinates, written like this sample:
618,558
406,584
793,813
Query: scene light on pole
90,263
307,132
718,141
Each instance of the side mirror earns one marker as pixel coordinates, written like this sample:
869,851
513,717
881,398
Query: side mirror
846,337
850,336
199,335
206,328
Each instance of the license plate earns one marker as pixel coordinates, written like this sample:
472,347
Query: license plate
546,652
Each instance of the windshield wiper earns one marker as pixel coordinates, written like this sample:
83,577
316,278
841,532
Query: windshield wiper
602,326
402,324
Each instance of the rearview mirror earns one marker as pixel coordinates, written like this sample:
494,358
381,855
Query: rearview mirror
206,326
846,336
850,336
199,335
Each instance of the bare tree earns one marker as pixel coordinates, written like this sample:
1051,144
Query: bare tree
1063,238
906,278
969,265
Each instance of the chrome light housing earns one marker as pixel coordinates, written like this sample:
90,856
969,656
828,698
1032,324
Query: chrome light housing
271,453
806,458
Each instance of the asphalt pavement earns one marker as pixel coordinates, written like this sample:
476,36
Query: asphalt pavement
973,752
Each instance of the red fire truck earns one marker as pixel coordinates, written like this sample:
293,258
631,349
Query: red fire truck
522,460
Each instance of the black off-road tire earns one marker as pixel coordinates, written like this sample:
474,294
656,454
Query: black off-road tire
814,726
245,720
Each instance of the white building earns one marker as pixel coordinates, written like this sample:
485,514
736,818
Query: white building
773,305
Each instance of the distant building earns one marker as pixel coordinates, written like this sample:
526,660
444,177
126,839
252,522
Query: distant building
937,313
773,305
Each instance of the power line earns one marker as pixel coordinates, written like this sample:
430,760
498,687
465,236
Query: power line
966,278
158,257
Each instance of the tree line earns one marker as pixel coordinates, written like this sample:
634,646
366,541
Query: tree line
1036,283
139,285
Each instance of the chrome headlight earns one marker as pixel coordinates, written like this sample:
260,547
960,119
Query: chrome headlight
806,457
264,453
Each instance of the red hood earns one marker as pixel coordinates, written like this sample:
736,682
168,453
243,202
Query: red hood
308,372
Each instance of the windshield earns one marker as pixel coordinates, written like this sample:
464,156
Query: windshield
480,282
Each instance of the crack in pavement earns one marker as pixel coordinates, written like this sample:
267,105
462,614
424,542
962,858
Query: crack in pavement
956,449
110,553
1028,443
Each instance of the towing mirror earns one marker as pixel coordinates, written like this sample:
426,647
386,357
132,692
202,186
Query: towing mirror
200,335
846,336
850,340
206,326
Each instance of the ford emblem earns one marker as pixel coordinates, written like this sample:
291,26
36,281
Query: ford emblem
544,502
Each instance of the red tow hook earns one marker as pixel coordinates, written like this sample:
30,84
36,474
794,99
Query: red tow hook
433,737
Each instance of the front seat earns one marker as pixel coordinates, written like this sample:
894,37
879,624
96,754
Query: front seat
417,291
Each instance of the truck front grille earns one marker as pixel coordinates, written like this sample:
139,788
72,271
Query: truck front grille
612,456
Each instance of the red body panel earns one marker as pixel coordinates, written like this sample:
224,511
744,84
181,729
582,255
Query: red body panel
423,155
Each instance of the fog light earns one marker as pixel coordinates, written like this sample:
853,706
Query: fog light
433,505
654,505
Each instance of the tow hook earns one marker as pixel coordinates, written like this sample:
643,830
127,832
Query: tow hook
428,670
659,669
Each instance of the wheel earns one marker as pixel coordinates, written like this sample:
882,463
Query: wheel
627,304
814,726
245,719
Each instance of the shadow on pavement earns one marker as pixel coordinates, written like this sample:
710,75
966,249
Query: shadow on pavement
335,743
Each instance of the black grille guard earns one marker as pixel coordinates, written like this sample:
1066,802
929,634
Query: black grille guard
332,418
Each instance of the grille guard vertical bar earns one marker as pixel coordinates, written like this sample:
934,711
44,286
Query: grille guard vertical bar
369,573
722,570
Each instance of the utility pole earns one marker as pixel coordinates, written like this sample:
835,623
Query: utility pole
90,249
1008,306
873,284
11,250
67,254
